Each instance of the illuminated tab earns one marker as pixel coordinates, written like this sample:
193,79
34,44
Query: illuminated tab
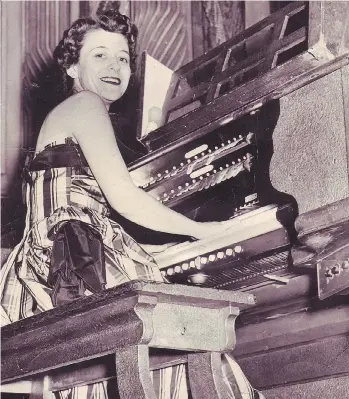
196,151
201,171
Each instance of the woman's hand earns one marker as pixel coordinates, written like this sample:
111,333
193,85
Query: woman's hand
208,229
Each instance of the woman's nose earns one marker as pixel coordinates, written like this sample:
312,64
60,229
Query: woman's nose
115,65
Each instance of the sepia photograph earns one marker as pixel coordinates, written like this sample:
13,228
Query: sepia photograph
174,199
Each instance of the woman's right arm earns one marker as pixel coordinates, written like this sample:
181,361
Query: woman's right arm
89,121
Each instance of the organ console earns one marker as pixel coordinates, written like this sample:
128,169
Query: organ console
245,139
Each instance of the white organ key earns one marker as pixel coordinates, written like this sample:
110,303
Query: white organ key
238,249
221,175
209,181
196,151
202,184
234,171
177,269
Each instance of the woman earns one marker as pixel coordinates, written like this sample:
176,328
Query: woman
70,246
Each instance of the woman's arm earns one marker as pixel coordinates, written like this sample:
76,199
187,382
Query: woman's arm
91,126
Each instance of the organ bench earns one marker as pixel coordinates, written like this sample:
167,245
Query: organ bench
86,341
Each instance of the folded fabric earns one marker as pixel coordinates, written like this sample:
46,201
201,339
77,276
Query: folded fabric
77,262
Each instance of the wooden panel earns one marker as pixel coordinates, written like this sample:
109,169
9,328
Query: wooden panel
289,365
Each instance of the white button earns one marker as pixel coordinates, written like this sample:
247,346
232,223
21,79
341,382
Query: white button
203,260
238,249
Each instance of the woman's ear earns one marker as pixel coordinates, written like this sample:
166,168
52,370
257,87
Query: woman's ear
72,71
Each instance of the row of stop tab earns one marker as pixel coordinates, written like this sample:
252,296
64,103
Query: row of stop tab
199,156
200,261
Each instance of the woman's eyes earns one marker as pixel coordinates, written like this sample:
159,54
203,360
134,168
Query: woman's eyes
104,56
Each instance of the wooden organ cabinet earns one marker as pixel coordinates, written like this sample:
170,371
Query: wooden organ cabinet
262,138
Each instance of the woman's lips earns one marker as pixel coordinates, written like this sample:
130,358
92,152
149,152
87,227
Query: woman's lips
111,80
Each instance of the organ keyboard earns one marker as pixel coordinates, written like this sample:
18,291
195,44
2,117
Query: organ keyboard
249,236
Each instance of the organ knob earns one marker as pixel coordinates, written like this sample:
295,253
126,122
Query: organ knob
238,249
211,257
159,174
169,271
174,167
177,269
220,255
192,263
185,266
203,260
197,261
229,252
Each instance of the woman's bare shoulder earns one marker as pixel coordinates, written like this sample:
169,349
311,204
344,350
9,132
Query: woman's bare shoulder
77,105
70,115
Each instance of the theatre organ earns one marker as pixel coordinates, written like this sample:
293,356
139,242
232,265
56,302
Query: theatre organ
260,137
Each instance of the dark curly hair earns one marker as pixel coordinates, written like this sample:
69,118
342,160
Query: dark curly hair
67,52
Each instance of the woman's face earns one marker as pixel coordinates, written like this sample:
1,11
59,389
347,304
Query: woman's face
104,65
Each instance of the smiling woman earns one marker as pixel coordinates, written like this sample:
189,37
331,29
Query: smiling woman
71,247
103,66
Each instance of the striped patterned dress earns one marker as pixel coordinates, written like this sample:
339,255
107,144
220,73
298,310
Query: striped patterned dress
61,188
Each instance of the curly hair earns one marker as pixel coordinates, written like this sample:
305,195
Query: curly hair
67,52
